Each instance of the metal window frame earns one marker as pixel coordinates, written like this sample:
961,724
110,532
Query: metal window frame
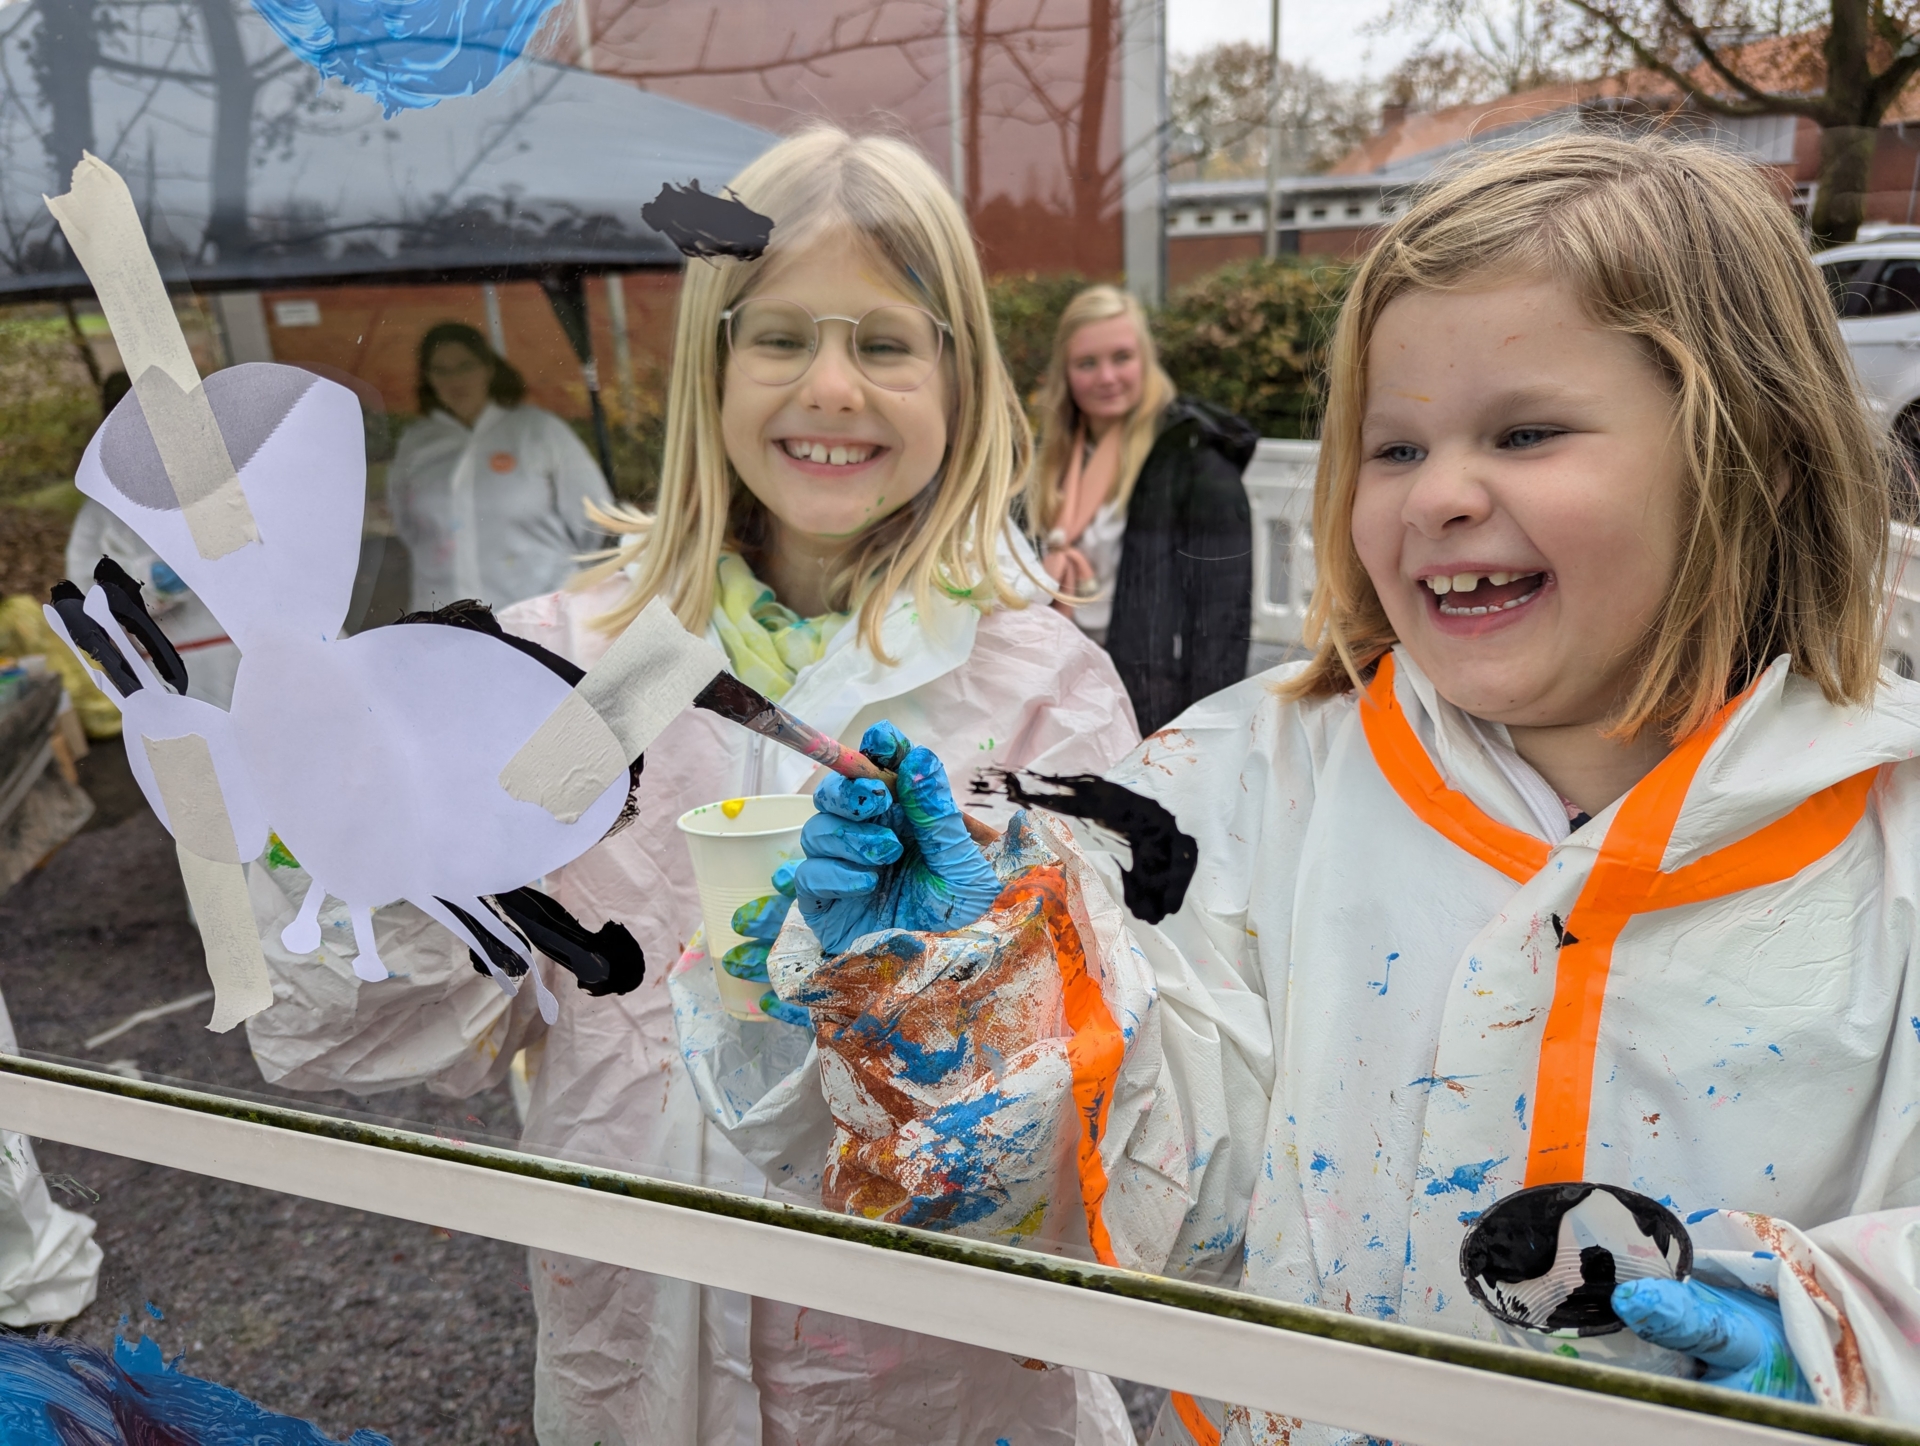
1386,1379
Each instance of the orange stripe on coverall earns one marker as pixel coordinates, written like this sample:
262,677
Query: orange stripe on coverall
1203,1431
1095,1051
1094,1055
1626,880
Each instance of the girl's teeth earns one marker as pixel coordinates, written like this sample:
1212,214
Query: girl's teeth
1465,581
839,456
1499,579
1441,585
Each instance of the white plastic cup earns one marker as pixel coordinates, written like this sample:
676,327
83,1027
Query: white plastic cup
736,846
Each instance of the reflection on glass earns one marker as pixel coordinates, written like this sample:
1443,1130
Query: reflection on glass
811,455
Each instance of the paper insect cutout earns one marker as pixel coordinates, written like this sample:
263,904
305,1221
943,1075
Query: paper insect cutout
1547,1258
410,56
440,761
705,226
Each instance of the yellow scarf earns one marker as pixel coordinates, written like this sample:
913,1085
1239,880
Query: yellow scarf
767,642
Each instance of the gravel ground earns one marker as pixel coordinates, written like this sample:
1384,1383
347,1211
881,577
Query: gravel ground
343,1318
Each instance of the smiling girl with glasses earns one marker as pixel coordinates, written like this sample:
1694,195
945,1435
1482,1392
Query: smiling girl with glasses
842,445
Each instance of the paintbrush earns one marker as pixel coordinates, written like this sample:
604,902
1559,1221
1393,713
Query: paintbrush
738,703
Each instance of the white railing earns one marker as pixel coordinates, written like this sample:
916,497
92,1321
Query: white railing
1279,483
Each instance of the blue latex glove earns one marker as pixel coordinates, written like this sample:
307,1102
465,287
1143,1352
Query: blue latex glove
166,581
760,920
874,861
1735,1332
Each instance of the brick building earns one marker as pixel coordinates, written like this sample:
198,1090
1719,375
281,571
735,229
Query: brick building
1337,213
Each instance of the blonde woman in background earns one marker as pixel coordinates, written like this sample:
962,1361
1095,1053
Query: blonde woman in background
843,443
1137,502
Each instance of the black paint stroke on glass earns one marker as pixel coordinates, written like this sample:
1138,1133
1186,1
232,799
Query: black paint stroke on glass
1164,858
504,959
705,225
90,638
130,611
606,961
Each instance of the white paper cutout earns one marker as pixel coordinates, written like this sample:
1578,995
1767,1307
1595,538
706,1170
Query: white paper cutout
376,759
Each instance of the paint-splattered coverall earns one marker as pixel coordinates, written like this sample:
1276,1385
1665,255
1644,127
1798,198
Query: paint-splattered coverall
646,1360
49,1263
1345,1021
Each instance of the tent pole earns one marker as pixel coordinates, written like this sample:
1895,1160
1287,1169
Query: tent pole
567,294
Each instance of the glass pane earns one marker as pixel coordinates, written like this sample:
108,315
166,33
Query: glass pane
207,1303
441,396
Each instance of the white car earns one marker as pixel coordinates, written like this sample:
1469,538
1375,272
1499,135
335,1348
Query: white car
1876,286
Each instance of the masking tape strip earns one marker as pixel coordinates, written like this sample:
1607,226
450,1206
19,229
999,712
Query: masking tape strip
215,877
568,762
648,677
103,227
218,892
196,808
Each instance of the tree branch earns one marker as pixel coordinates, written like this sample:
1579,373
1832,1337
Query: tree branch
1762,103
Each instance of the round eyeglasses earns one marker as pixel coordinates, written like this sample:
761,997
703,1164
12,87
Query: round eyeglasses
773,342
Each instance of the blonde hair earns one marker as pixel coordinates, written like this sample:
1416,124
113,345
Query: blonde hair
886,195
1692,252
1060,415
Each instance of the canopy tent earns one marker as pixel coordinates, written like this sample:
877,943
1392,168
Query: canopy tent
251,173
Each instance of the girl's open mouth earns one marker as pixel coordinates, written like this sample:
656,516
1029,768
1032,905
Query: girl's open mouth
1473,595
830,454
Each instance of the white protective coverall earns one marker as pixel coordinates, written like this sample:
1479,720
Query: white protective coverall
49,1263
496,511
1348,1017
648,1360
197,635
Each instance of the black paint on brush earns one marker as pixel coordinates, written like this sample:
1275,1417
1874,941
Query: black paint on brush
90,638
508,962
704,225
1164,858
130,611
606,961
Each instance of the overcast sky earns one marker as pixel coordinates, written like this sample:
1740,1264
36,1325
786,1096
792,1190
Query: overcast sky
1313,30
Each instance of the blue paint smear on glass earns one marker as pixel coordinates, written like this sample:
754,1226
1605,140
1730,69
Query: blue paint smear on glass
58,1392
407,54
155,1311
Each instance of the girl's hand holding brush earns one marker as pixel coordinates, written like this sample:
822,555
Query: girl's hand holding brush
899,858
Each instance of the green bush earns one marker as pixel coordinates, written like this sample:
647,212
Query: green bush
1026,309
48,405
1252,337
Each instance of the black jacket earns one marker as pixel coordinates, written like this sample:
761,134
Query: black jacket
1183,602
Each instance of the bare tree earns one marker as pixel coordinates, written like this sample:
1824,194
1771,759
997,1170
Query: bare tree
1486,47
1217,107
1842,64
